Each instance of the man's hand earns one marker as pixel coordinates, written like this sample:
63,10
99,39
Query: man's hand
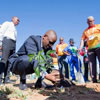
52,77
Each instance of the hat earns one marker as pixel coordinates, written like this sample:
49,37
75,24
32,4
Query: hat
71,40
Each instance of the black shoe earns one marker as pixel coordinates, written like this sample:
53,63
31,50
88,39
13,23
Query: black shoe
23,86
95,81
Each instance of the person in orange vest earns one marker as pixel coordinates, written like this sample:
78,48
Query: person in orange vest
92,35
62,57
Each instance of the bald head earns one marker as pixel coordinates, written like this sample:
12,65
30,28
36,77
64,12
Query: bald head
90,21
49,38
61,40
51,35
90,18
15,20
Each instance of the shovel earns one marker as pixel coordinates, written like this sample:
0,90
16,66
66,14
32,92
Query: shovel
79,74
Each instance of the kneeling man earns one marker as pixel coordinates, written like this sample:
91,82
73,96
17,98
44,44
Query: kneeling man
19,62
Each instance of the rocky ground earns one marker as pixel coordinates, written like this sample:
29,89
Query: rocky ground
89,91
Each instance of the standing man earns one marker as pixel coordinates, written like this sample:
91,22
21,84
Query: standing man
0,44
92,35
9,32
61,57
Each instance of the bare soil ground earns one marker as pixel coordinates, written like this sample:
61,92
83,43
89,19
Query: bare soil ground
89,91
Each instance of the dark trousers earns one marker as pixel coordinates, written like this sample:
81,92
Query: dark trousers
92,54
63,63
86,71
8,48
22,66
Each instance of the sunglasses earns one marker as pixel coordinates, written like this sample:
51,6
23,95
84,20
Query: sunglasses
51,43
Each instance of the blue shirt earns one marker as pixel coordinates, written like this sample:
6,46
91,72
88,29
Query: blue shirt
72,50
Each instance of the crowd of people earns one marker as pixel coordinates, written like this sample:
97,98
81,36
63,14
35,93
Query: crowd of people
68,55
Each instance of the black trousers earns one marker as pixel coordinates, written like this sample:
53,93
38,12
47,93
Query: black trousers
86,64
22,66
92,54
8,48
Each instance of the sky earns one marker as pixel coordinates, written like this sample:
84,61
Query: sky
67,17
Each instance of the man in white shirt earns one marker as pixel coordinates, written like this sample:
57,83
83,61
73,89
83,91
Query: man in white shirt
9,34
0,44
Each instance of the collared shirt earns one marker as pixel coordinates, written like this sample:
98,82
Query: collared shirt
92,34
8,30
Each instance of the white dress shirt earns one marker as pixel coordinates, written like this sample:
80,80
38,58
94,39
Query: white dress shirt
8,30
1,37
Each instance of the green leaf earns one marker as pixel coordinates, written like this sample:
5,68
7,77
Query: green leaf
37,71
31,56
36,57
50,51
43,68
30,59
41,51
48,56
42,62
42,57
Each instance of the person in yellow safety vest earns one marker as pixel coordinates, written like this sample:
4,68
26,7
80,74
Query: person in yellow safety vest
62,57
